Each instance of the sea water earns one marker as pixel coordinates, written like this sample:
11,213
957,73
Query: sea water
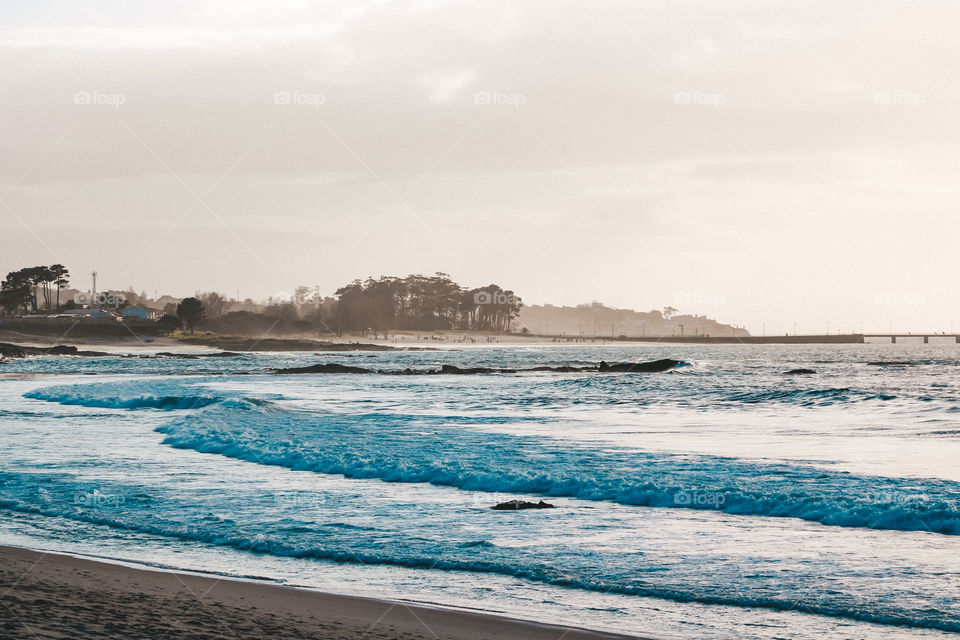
721,499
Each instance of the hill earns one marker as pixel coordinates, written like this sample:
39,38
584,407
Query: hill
596,319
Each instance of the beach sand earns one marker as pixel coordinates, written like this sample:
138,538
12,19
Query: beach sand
50,595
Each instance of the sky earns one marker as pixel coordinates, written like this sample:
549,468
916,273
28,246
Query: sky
776,165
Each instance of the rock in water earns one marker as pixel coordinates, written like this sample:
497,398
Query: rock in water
330,367
642,367
516,505
450,369
17,351
799,372
62,350
11,350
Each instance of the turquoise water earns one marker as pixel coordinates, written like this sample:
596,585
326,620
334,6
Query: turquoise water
720,499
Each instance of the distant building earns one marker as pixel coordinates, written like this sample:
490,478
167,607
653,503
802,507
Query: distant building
138,313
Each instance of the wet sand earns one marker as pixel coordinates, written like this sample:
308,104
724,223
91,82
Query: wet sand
49,595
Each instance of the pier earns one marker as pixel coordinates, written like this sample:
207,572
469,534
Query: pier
844,338
926,336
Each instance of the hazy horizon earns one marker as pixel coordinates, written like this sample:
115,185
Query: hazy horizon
763,164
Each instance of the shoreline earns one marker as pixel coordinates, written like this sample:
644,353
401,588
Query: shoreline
432,341
47,594
332,347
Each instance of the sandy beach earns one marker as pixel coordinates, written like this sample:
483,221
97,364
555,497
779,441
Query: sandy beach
51,595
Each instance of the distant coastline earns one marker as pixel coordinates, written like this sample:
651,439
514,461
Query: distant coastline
39,301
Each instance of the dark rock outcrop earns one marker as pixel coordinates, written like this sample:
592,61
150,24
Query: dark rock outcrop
62,350
799,372
408,372
327,367
517,505
17,351
449,369
8,350
654,366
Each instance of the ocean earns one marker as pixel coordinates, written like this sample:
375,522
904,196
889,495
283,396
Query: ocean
720,499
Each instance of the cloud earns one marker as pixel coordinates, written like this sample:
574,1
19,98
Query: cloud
159,38
446,87
599,176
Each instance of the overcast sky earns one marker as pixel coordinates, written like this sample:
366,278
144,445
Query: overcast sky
759,162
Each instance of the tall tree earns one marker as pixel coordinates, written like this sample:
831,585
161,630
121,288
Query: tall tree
214,304
37,276
61,278
190,312
16,291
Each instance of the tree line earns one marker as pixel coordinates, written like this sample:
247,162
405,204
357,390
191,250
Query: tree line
22,289
426,303
379,305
